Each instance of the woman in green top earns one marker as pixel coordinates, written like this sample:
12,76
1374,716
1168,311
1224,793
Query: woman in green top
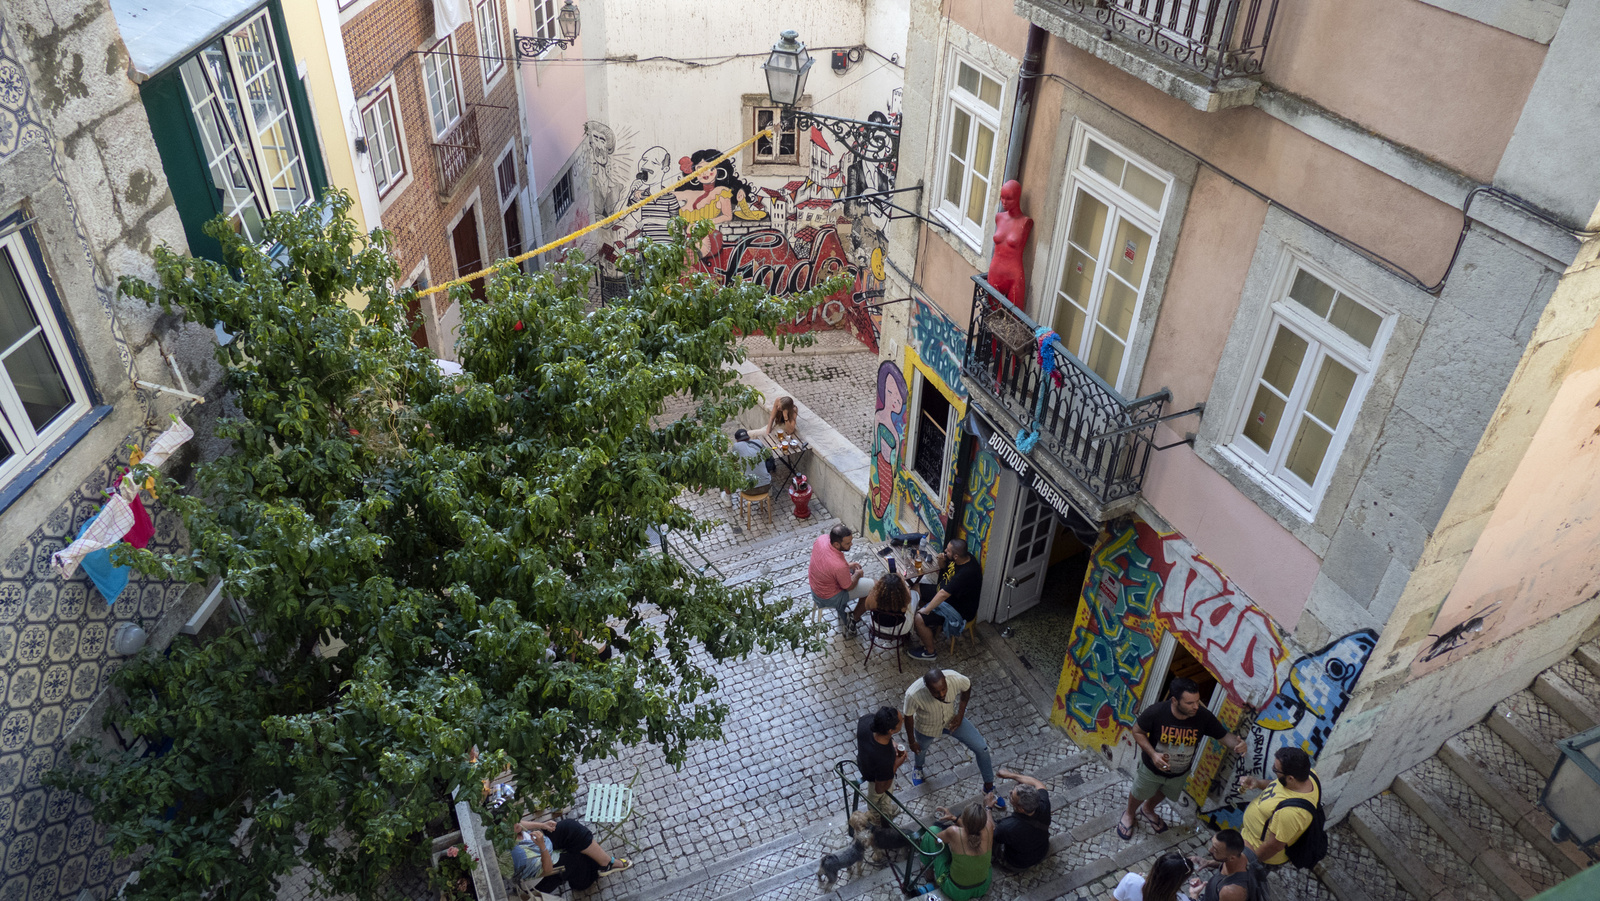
962,871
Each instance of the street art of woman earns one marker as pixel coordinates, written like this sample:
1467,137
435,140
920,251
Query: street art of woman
1011,231
712,194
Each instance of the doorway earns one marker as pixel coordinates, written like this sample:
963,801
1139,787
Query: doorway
1027,555
468,251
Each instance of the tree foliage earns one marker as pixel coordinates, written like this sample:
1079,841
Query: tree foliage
468,544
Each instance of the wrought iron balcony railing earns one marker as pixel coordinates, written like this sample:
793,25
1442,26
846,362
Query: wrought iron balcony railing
1102,440
456,149
1218,38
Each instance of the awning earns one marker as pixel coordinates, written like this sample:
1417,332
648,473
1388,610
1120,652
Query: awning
159,33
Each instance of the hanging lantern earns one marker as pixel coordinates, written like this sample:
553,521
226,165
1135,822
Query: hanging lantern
787,69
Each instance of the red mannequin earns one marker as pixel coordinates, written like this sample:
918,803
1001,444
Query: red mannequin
1011,230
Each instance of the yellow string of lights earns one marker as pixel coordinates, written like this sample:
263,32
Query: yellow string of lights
473,276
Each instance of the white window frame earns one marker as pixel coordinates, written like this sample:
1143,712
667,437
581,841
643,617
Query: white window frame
775,157
548,25
980,114
1323,340
491,42
379,151
1121,206
439,62
26,442
516,183
914,432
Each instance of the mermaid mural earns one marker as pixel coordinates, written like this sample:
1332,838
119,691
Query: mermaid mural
888,432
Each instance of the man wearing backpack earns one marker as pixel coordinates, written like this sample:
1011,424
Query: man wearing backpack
1284,822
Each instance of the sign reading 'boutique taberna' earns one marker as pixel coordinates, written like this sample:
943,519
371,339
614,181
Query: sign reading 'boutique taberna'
1015,460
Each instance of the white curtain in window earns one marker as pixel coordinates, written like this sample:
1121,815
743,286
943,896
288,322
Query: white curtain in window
448,15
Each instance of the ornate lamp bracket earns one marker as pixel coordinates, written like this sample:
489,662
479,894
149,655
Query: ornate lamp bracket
869,142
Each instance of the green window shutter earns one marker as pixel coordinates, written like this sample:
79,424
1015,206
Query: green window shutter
182,159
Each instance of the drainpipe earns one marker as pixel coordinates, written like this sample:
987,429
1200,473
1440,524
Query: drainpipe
1022,111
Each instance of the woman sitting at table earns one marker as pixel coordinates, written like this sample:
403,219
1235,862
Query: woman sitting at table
963,871
888,599
783,420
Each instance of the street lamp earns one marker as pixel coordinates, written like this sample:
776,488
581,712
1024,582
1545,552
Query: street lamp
529,46
1572,796
787,68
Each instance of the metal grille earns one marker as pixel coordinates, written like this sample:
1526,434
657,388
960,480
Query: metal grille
1217,38
456,150
1079,413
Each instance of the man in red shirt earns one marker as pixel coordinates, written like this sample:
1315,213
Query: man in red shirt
834,580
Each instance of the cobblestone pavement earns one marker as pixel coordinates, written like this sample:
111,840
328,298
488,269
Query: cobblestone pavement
837,377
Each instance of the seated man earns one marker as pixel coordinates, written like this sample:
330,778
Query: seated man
760,476
1023,839
582,859
952,601
834,580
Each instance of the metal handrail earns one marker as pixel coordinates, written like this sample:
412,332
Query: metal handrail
853,798
684,559
1217,38
1102,439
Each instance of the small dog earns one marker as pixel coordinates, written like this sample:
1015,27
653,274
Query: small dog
872,839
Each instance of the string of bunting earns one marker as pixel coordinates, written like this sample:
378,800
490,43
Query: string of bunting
474,276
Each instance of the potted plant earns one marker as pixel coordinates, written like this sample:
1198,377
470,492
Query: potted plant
452,869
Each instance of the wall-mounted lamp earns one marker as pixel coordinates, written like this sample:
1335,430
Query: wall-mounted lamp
530,47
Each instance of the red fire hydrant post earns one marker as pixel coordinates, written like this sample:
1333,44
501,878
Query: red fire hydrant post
800,493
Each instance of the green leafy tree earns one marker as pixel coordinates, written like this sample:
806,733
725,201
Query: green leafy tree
427,564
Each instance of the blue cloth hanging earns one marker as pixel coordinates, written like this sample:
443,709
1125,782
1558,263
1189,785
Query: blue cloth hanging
108,578
1028,437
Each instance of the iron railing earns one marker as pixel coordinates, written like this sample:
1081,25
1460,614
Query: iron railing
917,866
456,149
1100,438
1217,38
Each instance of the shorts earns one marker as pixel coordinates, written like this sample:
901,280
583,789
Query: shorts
945,617
571,835
1146,782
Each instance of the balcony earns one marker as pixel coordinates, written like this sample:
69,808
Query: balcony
1206,53
456,150
1098,440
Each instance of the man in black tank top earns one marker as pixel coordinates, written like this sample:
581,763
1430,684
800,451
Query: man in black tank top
1239,871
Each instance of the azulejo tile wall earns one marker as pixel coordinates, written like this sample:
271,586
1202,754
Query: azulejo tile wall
55,657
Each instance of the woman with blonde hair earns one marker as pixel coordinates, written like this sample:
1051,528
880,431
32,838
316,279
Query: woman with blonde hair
784,419
963,871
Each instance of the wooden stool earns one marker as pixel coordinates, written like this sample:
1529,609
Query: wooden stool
756,496
970,632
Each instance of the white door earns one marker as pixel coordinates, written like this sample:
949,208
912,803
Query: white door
1027,555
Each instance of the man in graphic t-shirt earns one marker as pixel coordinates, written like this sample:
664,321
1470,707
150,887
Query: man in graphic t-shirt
1168,734
952,600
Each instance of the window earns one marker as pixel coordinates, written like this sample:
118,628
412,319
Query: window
785,149
930,445
505,176
383,142
490,50
1312,370
561,194
1113,213
545,23
252,149
439,76
972,120
41,391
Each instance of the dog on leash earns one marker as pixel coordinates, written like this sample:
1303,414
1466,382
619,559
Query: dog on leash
871,838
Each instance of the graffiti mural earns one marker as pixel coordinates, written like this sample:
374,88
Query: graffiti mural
1301,715
983,490
787,234
888,432
933,519
940,343
1114,637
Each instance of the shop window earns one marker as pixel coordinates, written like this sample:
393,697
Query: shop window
41,390
1311,370
1113,207
967,148
930,444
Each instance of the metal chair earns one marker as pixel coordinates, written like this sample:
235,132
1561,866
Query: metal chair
888,630
611,805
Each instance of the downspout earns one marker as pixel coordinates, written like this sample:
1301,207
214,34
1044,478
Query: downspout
1022,110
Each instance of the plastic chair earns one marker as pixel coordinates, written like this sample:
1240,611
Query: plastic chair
888,630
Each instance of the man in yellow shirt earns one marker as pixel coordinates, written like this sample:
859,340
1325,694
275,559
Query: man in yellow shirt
1270,828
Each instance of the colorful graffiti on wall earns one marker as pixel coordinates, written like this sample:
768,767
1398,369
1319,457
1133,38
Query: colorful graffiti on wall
940,344
1141,584
889,430
1114,637
977,511
787,235
1301,715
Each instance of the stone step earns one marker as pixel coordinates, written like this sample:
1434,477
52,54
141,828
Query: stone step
1354,873
1509,784
1573,691
1476,832
1418,857
1531,727
1588,655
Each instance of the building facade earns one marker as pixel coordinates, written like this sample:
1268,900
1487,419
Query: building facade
441,150
1301,272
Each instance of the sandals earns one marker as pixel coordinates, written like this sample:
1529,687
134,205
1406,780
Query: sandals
1157,824
1124,832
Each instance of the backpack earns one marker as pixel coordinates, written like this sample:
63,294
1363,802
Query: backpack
1312,845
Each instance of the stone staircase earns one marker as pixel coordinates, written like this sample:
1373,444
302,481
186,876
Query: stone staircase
1465,825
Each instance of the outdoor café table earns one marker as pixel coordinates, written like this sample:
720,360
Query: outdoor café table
908,562
787,451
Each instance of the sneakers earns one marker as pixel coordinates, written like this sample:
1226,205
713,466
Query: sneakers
617,865
999,802
922,654
916,775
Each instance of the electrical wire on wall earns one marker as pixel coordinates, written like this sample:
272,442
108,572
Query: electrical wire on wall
1526,206
693,62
